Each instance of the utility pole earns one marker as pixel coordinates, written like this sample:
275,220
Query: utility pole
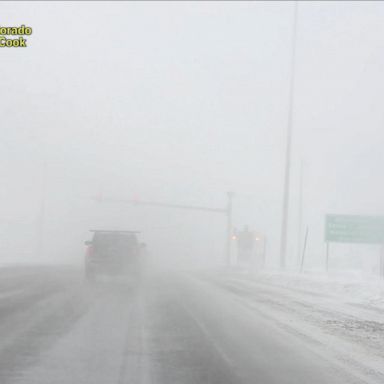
229,228
304,248
284,221
300,211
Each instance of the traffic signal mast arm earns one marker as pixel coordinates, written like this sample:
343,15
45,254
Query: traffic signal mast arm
226,211
163,205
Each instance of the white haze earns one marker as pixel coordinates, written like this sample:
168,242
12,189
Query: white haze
182,102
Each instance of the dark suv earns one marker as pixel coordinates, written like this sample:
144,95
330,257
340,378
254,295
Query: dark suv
112,253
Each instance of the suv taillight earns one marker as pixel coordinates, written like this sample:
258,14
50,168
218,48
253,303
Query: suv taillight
89,251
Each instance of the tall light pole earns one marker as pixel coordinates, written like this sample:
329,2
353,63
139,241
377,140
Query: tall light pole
229,228
284,221
41,215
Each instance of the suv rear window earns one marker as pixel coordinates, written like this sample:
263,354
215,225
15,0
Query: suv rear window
105,240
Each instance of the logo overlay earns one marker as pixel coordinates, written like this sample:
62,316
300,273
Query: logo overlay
14,37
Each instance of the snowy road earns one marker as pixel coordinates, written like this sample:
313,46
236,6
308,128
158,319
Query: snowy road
176,328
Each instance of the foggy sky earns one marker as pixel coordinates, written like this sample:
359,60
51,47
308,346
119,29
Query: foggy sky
182,102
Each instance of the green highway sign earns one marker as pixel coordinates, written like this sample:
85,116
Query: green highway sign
354,229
